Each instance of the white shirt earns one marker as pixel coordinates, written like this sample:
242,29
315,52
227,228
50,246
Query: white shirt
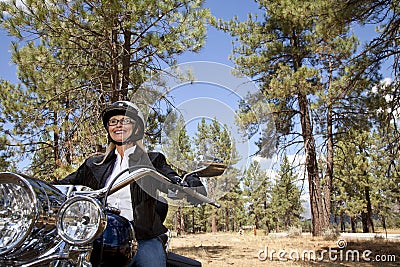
121,199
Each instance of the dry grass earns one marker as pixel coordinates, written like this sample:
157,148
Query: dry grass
232,249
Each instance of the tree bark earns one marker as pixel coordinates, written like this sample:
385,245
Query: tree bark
227,219
193,222
342,223
327,187
126,60
353,225
214,223
179,224
56,146
368,220
319,214
114,73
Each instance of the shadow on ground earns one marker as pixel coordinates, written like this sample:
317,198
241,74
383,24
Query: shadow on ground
213,252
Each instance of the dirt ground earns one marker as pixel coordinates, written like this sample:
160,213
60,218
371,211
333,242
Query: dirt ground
247,249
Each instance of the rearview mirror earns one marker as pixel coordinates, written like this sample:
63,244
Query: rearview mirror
211,169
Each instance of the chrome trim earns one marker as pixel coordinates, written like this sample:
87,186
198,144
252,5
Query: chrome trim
59,252
100,227
46,260
11,178
40,237
140,173
137,174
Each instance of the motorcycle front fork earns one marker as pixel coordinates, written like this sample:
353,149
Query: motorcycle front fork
77,257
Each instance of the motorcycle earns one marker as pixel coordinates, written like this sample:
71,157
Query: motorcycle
65,225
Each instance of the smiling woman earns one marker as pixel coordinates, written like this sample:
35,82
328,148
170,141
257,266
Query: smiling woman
120,128
124,122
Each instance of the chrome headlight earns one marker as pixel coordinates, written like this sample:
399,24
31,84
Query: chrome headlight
81,219
17,213
28,209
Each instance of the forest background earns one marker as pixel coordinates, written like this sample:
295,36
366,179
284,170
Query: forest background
323,89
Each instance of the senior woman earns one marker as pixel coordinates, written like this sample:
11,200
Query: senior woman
124,124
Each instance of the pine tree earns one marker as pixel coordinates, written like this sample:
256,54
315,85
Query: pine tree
176,144
212,141
75,57
256,191
5,154
384,169
285,206
302,64
363,186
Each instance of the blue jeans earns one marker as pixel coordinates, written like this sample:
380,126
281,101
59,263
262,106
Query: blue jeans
150,253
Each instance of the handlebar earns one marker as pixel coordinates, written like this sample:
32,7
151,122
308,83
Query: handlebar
136,175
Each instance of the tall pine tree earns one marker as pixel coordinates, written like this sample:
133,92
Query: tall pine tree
301,60
75,57
285,206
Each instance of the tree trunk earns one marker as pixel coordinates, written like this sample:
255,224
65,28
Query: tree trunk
227,219
277,226
205,224
183,226
68,144
114,73
126,60
368,215
179,222
353,225
193,225
342,223
268,226
329,165
384,225
214,223
319,213
364,219
256,222
56,146
327,186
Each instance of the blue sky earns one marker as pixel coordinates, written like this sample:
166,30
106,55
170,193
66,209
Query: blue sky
217,49
218,46
7,70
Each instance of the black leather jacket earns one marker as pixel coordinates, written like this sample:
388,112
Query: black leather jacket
147,222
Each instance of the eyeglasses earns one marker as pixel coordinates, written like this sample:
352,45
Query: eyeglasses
124,121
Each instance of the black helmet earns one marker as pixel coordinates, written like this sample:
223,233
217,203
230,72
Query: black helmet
128,109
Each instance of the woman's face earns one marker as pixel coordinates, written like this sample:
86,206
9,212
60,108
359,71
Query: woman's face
120,127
